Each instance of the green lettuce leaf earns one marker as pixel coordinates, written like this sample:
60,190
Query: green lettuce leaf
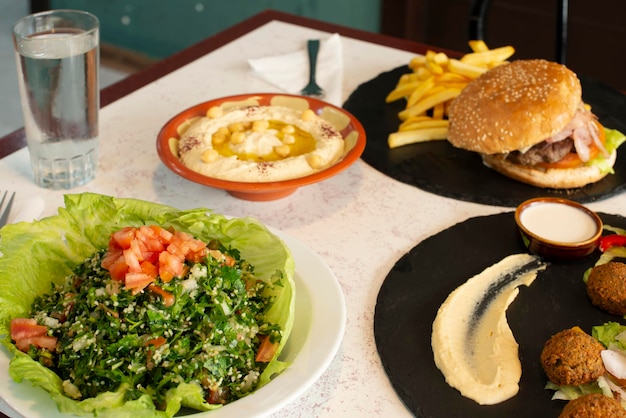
614,139
611,334
32,255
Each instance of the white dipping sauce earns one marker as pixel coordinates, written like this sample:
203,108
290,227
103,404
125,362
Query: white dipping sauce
558,222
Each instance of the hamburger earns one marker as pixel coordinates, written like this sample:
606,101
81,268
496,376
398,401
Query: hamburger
527,120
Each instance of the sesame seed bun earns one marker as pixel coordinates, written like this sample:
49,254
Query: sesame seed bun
514,106
554,178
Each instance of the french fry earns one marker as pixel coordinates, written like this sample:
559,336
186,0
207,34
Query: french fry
439,111
425,123
417,94
403,90
478,45
468,70
449,77
417,62
428,102
413,120
398,139
408,78
485,58
434,81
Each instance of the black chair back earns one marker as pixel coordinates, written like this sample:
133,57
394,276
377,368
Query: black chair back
478,18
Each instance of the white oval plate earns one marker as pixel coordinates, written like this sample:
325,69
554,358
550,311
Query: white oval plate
318,329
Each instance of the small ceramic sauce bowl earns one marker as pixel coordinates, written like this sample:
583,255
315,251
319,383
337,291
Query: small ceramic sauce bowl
558,229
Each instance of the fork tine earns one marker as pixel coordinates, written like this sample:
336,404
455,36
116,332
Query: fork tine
4,214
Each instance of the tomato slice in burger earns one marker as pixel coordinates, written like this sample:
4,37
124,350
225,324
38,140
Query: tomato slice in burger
572,160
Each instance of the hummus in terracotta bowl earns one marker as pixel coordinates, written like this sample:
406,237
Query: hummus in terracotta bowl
263,146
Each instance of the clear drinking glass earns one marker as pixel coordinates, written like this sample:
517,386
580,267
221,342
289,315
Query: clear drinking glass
57,55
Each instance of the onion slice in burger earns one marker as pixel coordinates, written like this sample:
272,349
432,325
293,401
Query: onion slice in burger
594,149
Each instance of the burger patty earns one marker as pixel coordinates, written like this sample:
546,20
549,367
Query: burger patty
543,152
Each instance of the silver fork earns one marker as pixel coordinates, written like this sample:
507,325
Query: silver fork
312,89
6,209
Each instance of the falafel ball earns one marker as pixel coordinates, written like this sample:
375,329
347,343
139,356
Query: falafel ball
606,287
593,405
572,357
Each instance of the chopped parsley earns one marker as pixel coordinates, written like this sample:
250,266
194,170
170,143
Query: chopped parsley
109,336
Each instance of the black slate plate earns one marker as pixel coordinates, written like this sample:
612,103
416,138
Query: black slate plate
422,279
439,168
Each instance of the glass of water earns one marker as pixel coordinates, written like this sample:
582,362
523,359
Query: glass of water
57,55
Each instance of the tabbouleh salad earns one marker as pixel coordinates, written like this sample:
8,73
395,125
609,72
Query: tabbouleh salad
193,313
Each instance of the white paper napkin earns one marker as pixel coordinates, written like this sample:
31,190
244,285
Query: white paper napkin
290,72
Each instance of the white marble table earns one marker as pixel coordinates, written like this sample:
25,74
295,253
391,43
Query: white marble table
360,222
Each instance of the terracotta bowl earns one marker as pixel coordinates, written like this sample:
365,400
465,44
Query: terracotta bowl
558,229
350,128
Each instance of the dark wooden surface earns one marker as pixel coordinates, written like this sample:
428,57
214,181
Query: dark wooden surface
596,30
16,140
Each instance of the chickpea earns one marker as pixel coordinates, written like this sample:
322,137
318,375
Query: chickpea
260,125
282,150
308,115
215,112
237,137
210,155
314,160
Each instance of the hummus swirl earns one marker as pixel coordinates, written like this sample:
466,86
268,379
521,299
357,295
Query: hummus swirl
260,144
472,342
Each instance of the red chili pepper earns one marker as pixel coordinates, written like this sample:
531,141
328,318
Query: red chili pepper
612,241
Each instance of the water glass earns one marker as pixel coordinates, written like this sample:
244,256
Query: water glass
57,56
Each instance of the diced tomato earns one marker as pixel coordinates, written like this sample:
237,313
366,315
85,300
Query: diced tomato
119,268
26,328
170,266
195,245
111,257
131,259
42,341
217,396
151,239
137,281
197,256
124,237
166,276
224,258
138,249
152,257
168,298
164,234
156,341
177,248
164,251
267,350
149,269
26,332
185,236
113,245
140,246
250,283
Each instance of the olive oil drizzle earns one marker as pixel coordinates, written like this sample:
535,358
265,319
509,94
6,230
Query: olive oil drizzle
303,142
